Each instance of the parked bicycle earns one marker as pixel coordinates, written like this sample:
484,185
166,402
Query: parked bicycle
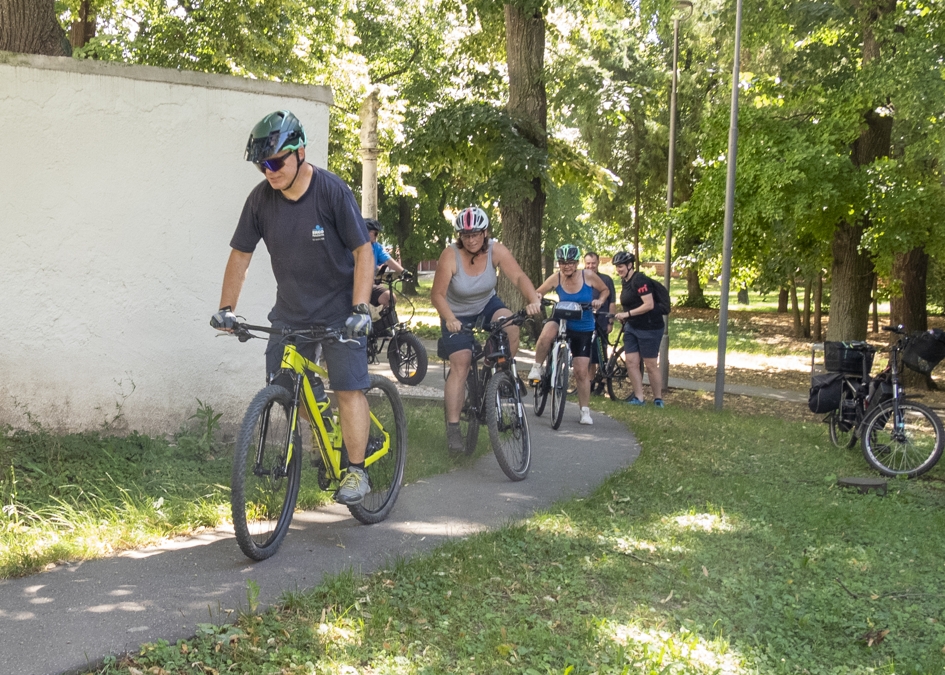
899,437
494,397
267,461
405,353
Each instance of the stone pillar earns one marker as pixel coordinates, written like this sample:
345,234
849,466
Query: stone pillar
369,152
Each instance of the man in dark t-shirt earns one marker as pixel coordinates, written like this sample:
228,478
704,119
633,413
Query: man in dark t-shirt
323,263
643,328
604,324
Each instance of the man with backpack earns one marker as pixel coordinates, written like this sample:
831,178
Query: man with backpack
643,310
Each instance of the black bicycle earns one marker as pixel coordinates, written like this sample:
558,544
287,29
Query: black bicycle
405,353
494,397
902,437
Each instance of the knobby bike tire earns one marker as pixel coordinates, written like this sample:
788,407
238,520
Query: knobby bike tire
618,382
909,451
263,489
408,358
541,388
559,388
469,415
842,431
386,474
508,426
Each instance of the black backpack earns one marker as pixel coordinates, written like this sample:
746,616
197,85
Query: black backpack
661,302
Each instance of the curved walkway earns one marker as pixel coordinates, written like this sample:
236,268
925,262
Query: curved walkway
72,616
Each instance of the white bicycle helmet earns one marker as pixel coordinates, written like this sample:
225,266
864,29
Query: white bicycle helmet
471,219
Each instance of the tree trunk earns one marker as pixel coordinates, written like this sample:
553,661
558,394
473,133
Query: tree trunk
819,308
852,275
31,27
742,295
402,230
852,269
806,318
796,310
83,28
695,294
783,300
528,106
909,309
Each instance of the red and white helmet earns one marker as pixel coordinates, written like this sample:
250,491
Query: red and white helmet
471,219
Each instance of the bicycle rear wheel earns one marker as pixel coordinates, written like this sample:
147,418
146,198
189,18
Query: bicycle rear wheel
559,388
508,427
264,487
386,473
842,422
407,357
469,415
618,383
909,446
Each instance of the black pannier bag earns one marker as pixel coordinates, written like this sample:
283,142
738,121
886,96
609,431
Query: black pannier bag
848,357
825,390
925,351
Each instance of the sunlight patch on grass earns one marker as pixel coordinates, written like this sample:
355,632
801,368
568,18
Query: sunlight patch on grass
682,648
703,522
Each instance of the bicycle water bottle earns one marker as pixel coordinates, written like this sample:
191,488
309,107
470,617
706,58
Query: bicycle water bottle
321,398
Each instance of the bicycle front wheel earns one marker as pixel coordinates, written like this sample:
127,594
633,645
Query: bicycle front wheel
386,470
842,422
408,358
618,382
905,445
559,387
265,479
508,427
541,389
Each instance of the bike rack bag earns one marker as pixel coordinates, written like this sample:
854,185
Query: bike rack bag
387,320
925,351
567,311
848,357
825,391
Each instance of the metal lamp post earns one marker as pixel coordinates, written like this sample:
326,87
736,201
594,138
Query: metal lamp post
729,214
667,261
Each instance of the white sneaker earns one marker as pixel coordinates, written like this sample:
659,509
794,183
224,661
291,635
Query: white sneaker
586,416
536,373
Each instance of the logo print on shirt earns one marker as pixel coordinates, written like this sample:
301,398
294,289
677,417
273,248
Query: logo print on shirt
318,233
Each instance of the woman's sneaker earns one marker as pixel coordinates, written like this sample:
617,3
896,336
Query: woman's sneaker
658,402
536,373
635,401
454,438
586,416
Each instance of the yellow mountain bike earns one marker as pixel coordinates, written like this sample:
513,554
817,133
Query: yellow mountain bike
267,461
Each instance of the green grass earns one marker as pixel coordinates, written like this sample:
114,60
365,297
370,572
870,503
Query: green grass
702,334
83,496
730,550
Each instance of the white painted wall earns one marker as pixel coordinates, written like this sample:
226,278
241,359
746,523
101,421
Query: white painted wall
120,187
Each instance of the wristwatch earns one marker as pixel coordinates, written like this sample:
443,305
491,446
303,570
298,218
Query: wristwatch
361,308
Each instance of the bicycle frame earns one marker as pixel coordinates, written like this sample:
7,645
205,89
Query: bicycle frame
328,441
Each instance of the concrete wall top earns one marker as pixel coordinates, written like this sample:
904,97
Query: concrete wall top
318,94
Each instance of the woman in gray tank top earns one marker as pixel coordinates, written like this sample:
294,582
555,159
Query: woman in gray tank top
463,291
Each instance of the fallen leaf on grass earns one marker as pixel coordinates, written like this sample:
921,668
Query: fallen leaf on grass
705,572
667,598
874,637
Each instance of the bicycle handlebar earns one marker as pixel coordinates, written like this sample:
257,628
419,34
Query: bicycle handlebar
313,334
545,302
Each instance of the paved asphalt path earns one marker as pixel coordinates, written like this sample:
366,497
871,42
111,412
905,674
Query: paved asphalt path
72,616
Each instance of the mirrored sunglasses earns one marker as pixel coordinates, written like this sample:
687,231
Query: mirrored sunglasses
273,163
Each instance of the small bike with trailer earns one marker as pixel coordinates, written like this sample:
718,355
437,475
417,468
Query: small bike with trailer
405,352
